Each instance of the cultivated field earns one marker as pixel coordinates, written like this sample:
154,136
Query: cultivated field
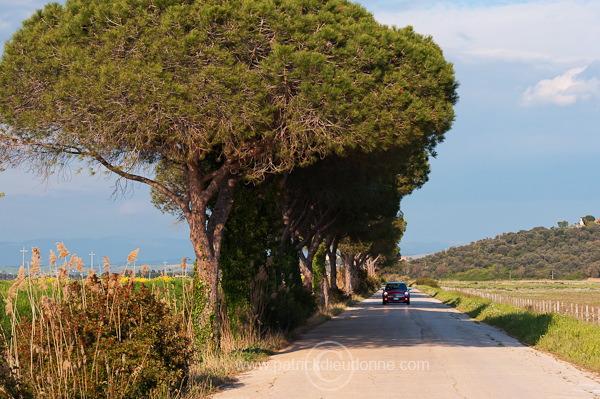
579,299
586,292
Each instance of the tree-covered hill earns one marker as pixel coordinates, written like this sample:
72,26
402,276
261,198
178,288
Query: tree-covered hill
562,253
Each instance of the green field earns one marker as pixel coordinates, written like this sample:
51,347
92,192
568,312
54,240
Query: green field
171,290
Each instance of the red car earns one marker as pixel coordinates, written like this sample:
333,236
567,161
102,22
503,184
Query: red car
396,292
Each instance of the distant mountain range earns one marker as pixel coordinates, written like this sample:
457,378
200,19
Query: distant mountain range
153,252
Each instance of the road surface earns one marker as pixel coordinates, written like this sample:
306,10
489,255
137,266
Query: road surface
425,350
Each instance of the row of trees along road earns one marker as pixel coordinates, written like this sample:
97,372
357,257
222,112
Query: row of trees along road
201,98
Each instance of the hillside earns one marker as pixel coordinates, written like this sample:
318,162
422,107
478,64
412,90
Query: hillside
562,253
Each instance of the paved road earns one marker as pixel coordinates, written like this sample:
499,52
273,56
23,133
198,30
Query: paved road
425,350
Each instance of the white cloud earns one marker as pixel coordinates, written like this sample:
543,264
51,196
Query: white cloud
541,31
508,55
133,207
23,182
565,89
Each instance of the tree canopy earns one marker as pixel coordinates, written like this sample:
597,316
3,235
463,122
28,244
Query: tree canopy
352,200
266,85
191,97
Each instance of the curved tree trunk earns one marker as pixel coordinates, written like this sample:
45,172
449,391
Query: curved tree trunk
371,264
206,235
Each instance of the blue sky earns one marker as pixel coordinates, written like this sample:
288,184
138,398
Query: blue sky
524,150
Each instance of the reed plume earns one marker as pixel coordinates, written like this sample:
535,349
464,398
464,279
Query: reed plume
62,250
133,256
35,260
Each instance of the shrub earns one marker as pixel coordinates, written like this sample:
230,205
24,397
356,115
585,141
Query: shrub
101,338
9,386
367,284
427,281
339,296
288,308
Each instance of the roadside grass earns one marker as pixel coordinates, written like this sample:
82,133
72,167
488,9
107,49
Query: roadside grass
568,338
244,351
215,368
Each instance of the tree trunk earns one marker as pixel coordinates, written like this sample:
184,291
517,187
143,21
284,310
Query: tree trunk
371,263
325,293
306,264
349,274
332,253
306,270
206,235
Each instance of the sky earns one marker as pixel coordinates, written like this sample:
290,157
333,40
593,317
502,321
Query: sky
524,150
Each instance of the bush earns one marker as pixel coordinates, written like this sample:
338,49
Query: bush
9,386
427,281
339,296
100,339
367,284
288,308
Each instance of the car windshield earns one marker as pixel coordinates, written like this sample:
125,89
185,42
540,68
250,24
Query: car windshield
396,286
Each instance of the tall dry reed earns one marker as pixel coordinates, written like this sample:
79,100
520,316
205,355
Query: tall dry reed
101,337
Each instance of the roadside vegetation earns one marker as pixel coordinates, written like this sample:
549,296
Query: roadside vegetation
572,340
122,337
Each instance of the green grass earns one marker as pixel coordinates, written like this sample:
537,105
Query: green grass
568,338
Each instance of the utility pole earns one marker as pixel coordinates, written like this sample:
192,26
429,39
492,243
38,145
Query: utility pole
165,269
23,262
92,260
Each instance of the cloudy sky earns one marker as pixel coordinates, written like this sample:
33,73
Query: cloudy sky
524,150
